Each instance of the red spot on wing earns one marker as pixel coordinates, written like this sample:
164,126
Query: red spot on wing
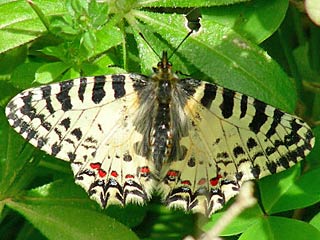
145,171
95,165
214,181
172,175
114,174
186,182
202,181
102,173
129,176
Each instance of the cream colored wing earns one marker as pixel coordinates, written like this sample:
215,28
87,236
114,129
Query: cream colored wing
89,122
231,138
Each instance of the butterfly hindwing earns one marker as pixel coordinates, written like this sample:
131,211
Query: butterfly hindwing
89,122
232,138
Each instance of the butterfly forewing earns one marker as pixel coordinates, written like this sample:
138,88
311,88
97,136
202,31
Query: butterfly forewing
126,135
89,122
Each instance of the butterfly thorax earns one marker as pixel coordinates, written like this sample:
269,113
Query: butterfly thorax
161,130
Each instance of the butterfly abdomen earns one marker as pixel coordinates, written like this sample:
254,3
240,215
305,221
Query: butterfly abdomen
162,128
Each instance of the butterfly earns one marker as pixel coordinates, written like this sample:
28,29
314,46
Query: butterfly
128,135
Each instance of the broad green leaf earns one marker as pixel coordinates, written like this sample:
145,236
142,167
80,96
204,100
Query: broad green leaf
301,193
19,24
279,228
65,192
107,37
274,187
238,225
254,20
65,222
62,192
50,72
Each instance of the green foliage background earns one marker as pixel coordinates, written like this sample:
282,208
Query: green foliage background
57,40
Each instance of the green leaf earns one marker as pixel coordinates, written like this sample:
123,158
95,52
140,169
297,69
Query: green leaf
238,225
279,228
280,183
98,13
64,222
254,20
40,14
65,192
24,75
77,7
315,221
107,37
63,203
19,24
50,72
70,74
299,194
77,53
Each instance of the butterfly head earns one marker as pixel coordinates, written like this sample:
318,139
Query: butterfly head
164,66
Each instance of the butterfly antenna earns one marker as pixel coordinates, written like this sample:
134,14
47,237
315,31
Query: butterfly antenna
185,38
141,35
174,51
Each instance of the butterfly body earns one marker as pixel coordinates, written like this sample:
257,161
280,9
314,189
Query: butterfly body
127,135
167,126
